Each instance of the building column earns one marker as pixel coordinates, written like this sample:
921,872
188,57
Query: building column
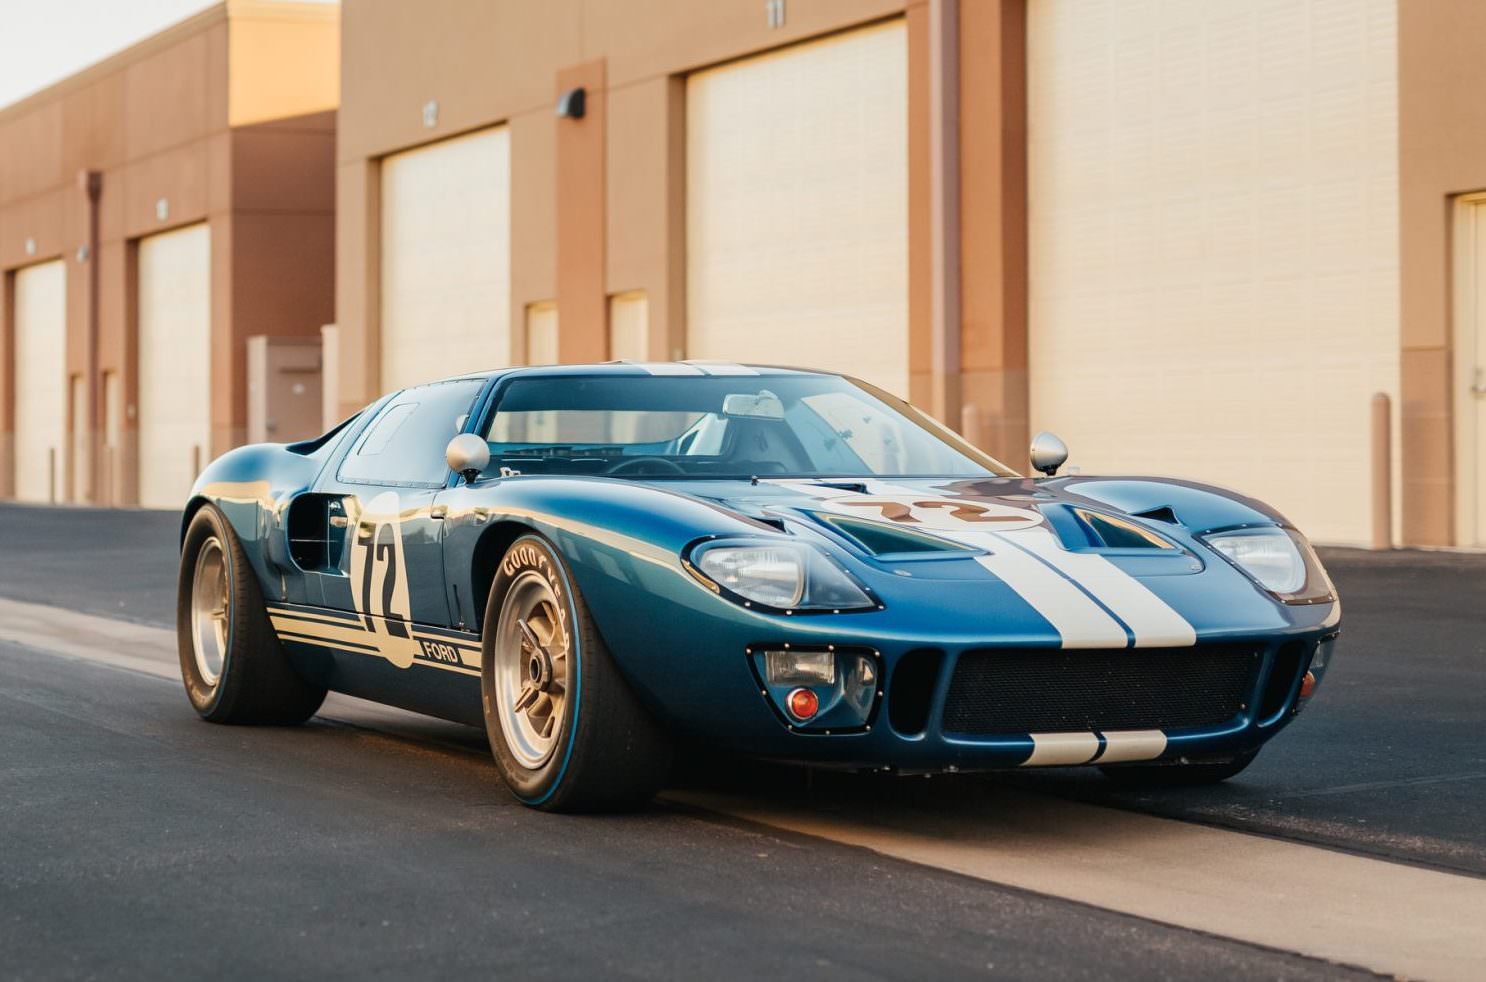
582,304
993,231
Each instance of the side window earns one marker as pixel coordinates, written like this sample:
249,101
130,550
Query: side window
405,443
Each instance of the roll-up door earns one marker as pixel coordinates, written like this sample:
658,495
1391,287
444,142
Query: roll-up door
41,381
797,207
175,320
446,259
1214,243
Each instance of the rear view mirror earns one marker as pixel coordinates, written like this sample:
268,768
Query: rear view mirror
746,405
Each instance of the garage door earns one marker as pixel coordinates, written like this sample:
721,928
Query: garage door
41,381
446,259
174,363
1214,243
797,207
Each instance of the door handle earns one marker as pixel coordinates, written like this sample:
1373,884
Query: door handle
438,512
1478,387
339,521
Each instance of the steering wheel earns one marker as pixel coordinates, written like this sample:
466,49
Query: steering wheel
638,465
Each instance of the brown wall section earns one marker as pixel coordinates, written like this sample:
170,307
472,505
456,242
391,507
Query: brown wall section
1442,153
582,304
154,123
598,205
993,234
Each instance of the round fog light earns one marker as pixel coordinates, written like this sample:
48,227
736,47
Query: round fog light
802,704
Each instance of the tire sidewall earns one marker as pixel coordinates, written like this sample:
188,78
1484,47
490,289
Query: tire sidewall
208,523
532,553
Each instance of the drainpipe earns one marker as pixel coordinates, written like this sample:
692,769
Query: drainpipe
944,211
91,184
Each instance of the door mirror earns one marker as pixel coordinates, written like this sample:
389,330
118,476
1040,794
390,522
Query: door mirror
1048,453
468,455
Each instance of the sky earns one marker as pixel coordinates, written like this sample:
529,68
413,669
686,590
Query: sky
44,41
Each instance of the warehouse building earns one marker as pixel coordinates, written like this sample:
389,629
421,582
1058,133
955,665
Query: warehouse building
1194,239
157,210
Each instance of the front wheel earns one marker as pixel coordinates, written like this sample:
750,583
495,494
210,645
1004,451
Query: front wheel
1178,775
566,731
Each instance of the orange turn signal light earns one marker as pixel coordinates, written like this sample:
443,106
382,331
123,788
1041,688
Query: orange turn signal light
1307,685
802,704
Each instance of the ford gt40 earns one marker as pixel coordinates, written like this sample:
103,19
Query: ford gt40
597,564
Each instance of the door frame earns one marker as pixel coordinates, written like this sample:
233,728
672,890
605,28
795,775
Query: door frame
1463,316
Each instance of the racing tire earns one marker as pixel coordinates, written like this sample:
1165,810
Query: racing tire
233,666
567,733
1178,775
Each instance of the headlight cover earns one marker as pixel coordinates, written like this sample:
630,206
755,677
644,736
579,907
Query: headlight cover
784,576
1278,559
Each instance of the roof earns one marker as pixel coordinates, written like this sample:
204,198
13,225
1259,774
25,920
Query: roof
641,369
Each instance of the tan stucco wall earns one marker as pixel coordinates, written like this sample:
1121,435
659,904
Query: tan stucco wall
154,123
1442,153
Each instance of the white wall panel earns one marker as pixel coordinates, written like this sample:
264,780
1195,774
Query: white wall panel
446,259
175,346
41,381
797,207
1214,242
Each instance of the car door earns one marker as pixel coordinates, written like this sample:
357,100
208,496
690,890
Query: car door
386,526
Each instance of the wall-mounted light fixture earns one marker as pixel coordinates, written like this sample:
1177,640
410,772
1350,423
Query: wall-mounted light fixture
162,209
30,247
572,103
431,113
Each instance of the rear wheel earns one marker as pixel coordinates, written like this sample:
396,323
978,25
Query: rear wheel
233,666
1178,775
565,729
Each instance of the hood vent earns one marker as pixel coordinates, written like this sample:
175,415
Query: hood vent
887,540
1161,514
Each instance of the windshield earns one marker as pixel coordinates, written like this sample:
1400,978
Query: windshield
721,427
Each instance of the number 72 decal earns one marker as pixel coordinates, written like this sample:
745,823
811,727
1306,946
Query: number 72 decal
379,579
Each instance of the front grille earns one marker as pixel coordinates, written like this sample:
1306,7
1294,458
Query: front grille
1053,690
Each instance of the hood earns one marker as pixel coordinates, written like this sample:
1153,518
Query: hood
926,514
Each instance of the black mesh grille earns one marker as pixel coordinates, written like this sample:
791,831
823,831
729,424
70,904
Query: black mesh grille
1051,690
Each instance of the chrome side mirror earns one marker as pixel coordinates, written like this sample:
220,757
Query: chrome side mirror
1048,453
467,455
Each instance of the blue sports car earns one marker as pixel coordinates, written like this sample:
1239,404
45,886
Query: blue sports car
598,563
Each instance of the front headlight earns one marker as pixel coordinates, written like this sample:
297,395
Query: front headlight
1278,559
782,576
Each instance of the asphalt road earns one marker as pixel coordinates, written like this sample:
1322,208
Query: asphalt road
139,840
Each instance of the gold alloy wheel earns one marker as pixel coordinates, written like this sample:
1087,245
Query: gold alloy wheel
531,669
209,611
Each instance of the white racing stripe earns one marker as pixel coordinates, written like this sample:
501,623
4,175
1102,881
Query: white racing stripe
723,368
1151,620
1127,745
1055,749
1079,621
666,368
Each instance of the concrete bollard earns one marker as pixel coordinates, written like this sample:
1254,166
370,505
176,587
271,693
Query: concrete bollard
1382,471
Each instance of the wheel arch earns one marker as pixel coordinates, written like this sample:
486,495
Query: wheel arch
489,549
